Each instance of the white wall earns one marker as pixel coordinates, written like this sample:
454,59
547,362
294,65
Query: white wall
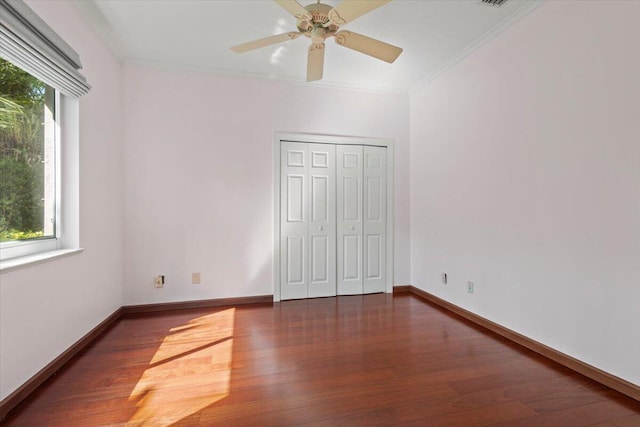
45,308
199,168
525,178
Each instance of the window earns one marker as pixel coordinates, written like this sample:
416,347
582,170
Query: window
39,86
27,158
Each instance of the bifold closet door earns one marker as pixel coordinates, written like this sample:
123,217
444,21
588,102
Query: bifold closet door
322,221
307,220
349,172
362,219
375,220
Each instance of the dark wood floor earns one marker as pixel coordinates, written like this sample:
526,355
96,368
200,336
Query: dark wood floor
361,360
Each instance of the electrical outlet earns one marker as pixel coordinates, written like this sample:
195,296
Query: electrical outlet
443,278
158,281
195,278
470,287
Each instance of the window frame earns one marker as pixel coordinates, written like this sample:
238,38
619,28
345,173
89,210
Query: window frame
21,248
68,188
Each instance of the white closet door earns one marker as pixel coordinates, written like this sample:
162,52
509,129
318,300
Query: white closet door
375,219
322,221
349,171
294,220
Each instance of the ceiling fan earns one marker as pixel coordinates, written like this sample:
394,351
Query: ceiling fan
319,21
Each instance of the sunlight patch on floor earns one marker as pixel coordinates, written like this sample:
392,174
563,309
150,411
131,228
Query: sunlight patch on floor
190,371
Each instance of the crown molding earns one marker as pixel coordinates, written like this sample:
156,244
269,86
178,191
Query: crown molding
479,42
289,80
92,14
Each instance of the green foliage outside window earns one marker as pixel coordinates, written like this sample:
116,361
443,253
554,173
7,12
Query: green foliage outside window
22,102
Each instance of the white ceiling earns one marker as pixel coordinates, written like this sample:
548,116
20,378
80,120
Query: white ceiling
197,34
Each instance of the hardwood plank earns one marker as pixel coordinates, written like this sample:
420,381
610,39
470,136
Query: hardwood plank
484,416
630,421
579,415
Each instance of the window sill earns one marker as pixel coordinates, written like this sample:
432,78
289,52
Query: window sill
26,261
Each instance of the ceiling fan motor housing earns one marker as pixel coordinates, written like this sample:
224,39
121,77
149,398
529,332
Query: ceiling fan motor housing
319,20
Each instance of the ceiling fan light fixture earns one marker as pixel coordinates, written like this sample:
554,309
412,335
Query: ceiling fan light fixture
318,35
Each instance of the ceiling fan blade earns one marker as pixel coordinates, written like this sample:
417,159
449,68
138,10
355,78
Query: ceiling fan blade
349,10
294,8
372,47
256,44
315,62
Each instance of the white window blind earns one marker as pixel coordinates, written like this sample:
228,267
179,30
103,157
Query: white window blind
29,43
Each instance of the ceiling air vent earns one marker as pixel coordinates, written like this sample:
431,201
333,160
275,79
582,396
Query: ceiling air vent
493,2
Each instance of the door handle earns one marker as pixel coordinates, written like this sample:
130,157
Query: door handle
352,228
320,228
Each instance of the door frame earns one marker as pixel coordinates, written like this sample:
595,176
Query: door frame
335,140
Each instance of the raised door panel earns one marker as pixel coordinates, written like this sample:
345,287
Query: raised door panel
295,198
375,220
349,159
351,203
295,260
374,194
351,257
294,220
322,224
319,259
320,198
374,256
